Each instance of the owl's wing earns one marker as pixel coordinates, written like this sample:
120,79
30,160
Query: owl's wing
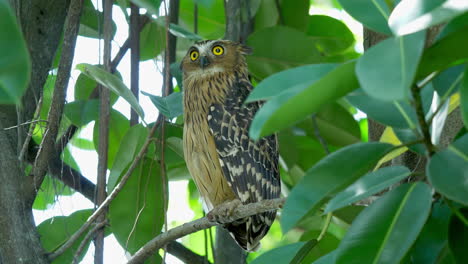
250,168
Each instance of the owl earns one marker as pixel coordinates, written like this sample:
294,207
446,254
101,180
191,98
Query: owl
224,162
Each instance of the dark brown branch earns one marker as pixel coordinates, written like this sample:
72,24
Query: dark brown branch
109,198
422,120
47,146
134,57
184,254
103,146
85,241
241,211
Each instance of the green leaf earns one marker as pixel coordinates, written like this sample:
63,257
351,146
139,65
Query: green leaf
152,41
137,213
270,55
327,259
433,236
57,230
211,19
129,147
47,194
295,13
387,70
15,65
118,126
298,102
464,98
92,22
331,35
82,112
372,14
382,233
267,15
181,32
329,176
449,81
113,83
282,254
152,6
85,86
276,84
458,237
444,53
447,171
410,16
170,106
368,185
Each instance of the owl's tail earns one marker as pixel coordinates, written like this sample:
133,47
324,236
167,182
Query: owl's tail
249,231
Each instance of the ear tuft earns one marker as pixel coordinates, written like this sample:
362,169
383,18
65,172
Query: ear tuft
246,50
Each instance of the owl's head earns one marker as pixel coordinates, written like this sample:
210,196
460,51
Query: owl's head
208,57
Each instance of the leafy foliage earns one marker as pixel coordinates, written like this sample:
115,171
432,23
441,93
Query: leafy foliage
315,90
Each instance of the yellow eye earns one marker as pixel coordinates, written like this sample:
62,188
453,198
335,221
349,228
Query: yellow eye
218,50
194,55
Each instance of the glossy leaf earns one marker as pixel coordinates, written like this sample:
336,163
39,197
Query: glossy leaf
444,53
82,112
449,81
368,185
329,176
47,194
92,22
137,214
211,19
327,259
57,230
296,103
458,237
152,41
118,126
277,83
170,106
464,98
295,13
15,65
129,147
270,54
267,15
113,83
387,70
372,14
331,35
433,237
410,16
282,254
381,233
447,171
85,86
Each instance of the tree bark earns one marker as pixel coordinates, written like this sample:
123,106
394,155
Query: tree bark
42,25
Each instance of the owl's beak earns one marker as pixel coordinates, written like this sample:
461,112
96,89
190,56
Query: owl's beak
204,62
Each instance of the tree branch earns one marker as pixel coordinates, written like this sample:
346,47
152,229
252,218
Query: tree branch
134,57
241,211
58,100
112,195
184,254
422,120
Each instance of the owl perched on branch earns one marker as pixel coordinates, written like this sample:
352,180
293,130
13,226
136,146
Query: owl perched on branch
224,162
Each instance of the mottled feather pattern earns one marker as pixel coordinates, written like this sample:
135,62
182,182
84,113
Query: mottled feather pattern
224,162
251,168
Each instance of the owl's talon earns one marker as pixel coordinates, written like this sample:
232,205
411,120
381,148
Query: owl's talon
223,213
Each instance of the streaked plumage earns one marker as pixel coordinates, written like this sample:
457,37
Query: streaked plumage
224,162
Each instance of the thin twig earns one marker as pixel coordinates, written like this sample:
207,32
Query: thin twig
31,129
85,241
184,254
134,57
241,211
58,99
422,120
103,146
325,226
109,199
27,123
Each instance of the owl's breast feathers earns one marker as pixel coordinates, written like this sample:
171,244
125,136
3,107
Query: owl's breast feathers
218,126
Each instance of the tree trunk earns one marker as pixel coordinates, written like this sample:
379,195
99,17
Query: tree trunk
42,25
